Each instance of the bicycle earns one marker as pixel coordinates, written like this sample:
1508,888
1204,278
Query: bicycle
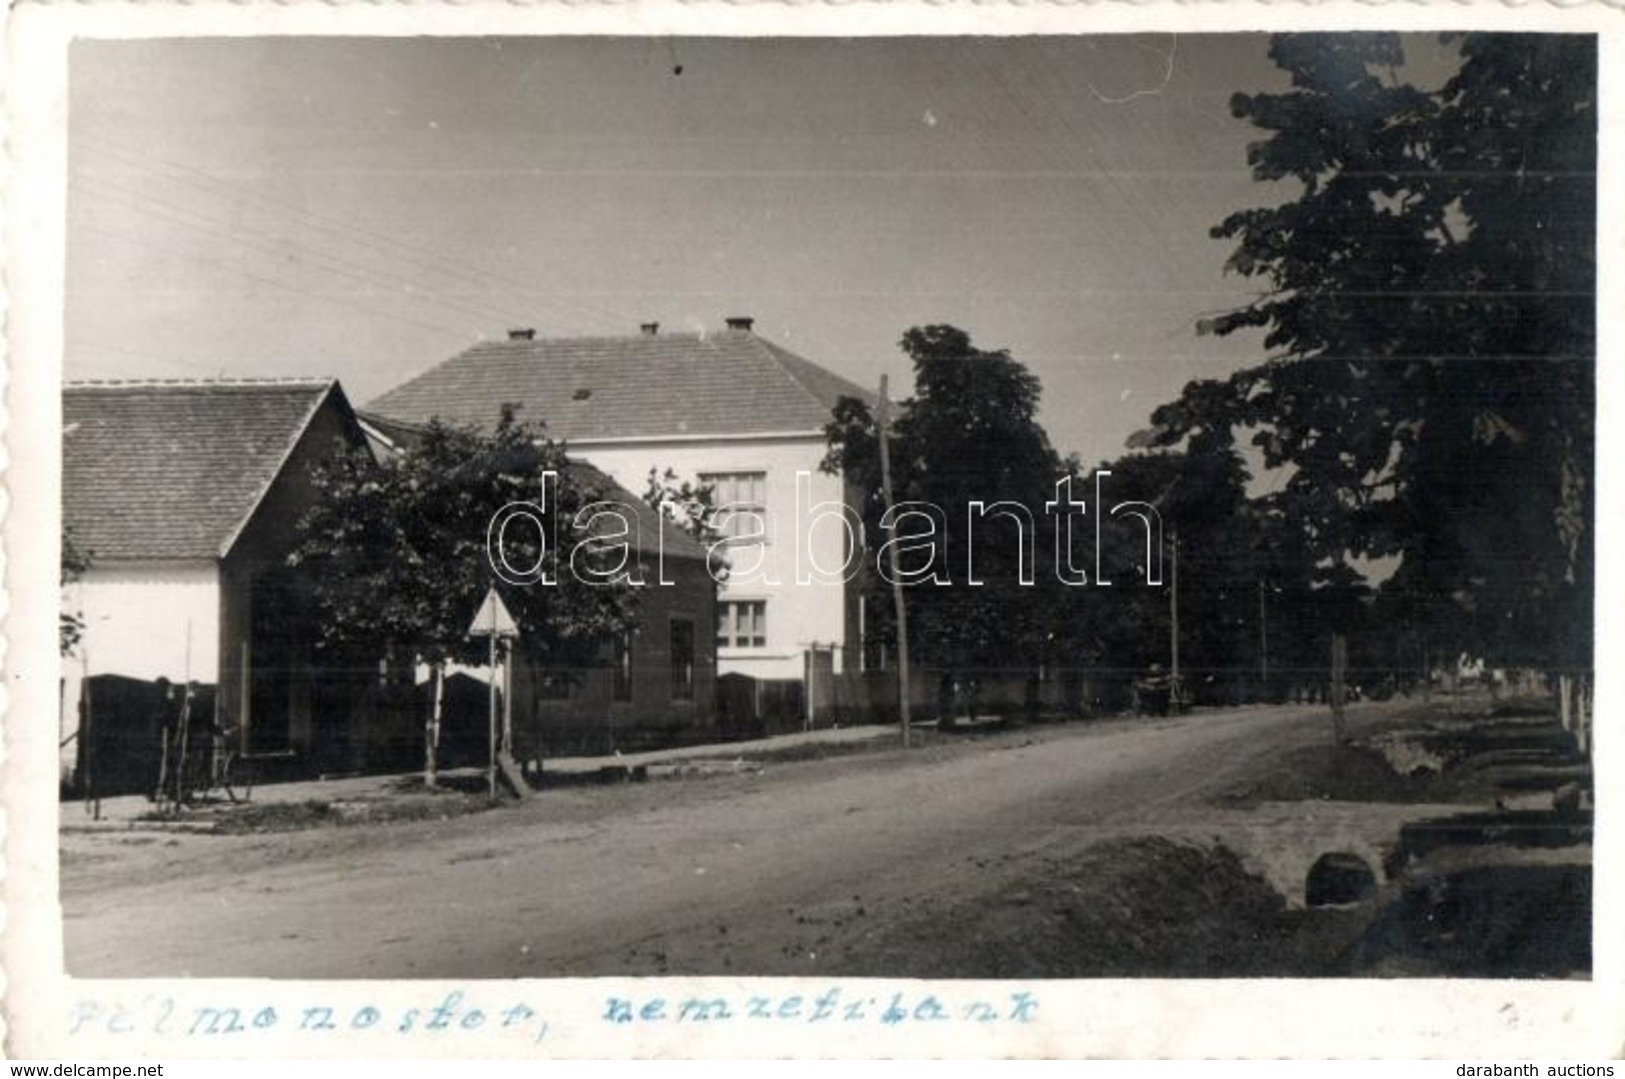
203,768
225,767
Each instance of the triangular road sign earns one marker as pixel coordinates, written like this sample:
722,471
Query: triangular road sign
493,618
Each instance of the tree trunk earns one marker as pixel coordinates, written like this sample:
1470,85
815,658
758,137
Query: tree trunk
1582,718
1340,662
431,730
1427,676
1565,701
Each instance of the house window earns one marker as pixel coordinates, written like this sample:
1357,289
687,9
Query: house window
740,499
682,659
623,666
742,624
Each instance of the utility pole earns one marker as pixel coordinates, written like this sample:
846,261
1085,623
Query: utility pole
491,762
1263,642
494,622
809,669
87,739
431,735
507,697
1173,613
1427,674
1340,666
891,552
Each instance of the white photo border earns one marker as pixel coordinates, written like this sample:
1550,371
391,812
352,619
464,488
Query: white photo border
1106,1018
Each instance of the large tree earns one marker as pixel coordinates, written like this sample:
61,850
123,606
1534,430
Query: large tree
1428,309
969,433
70,623
692,506
397,554
1201,498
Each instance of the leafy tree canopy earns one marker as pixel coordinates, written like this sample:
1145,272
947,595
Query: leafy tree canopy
70,624
397,552
1428,305
692,506
969,433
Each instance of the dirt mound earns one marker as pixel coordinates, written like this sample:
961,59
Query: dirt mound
1324,773
1146,907
1430,758
1492,921
1513,828
254,818
1151,907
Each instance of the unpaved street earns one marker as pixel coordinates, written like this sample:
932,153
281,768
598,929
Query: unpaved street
772,872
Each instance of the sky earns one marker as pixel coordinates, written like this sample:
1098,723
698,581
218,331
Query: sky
366,208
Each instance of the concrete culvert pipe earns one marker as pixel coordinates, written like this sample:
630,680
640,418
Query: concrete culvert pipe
1339,877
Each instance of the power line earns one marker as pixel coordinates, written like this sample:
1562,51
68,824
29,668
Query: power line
388,245
115,369
1056,158
133,354
325,297
1057,135
391,246
220,230
1133,196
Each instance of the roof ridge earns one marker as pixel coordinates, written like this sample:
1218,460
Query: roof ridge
154,383
635,386
663,335
777,357
779,354
172,472
332,388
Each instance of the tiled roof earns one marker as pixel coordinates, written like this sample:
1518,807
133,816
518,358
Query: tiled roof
172,470
643,386
653,527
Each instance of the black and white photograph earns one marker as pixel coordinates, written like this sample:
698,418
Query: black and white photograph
980,509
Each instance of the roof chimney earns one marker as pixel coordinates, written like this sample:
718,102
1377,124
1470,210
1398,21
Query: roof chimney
649,328
740,322
522,335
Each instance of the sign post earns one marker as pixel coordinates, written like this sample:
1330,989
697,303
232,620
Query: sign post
494,621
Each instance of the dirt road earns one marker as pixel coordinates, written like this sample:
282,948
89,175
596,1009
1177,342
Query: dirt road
775,872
